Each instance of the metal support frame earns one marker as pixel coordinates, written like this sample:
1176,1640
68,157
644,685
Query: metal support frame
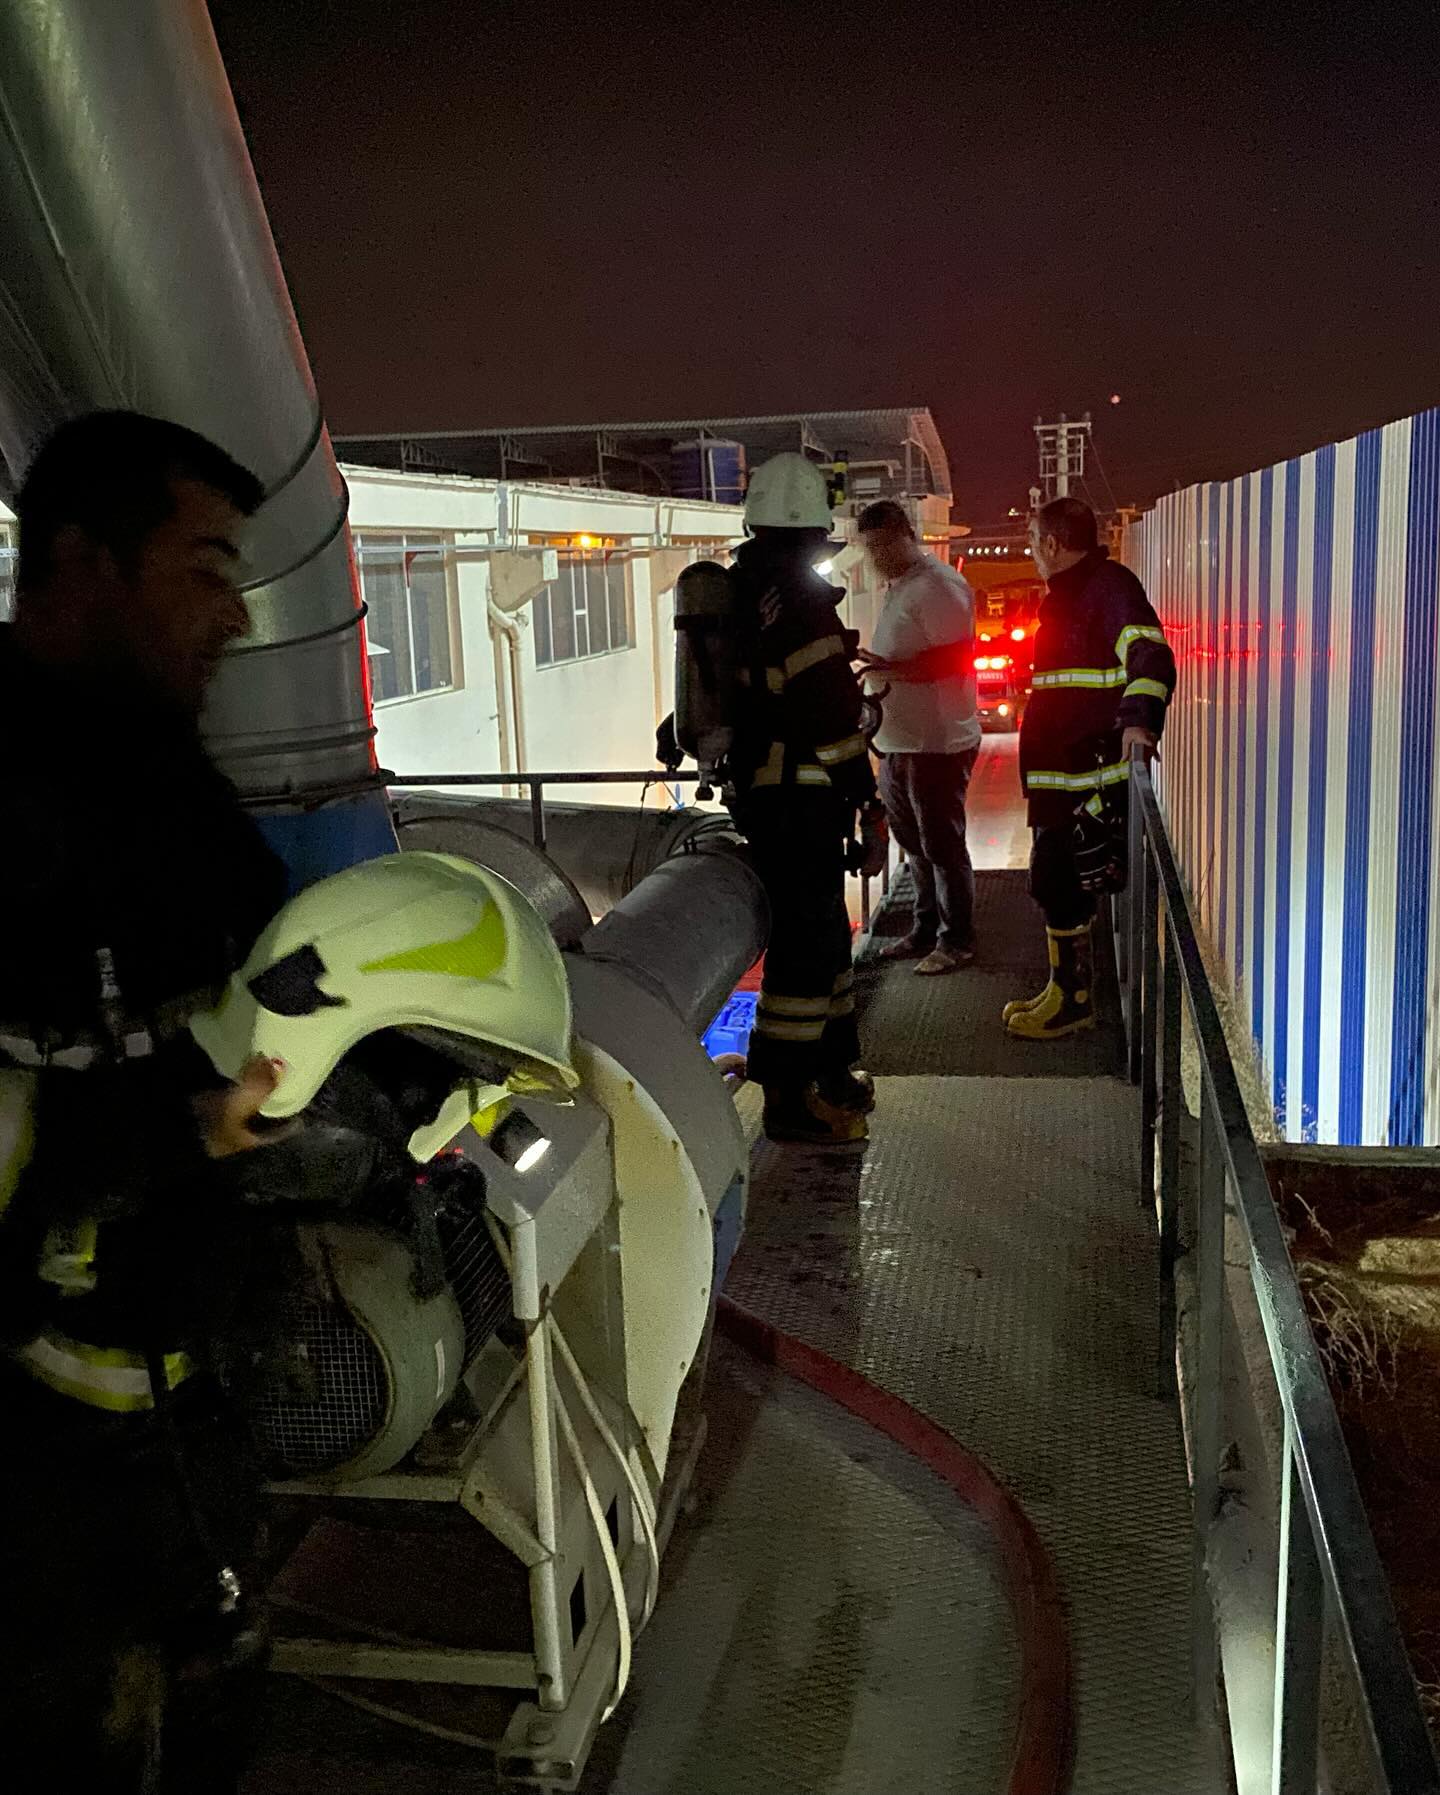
1329,1565
1172,1103
1299,1639
1207,1244
560,1683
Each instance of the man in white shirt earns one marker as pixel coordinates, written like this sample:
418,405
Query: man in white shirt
924,649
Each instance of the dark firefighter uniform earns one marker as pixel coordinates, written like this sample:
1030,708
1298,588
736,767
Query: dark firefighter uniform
133,885
1102,665
801,768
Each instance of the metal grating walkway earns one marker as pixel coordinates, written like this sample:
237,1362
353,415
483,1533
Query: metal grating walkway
833,1622
985,1258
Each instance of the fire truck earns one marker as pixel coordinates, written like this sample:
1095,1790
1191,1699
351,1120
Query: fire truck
1005,623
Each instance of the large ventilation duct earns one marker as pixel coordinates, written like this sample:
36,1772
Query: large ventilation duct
138,271
688,932
605,850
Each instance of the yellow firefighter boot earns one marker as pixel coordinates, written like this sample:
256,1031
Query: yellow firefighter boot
1021,1004
1066,1007
801,1113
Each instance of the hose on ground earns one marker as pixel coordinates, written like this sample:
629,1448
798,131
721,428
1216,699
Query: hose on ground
1040,1757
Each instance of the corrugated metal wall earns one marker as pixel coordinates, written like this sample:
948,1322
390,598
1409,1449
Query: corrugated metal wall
1299,771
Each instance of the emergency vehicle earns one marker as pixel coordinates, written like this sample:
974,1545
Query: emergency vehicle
1005,624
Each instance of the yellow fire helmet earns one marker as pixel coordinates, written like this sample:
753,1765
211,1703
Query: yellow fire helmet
429,945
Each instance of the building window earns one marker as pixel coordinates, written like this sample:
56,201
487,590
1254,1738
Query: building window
407,625
587,610
7,573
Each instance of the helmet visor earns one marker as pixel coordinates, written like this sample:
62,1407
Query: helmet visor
489,1063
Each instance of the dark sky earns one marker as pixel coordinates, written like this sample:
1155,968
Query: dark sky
537,213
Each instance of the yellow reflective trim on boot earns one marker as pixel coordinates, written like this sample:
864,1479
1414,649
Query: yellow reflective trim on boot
1053,938
1054,1018
1021,1004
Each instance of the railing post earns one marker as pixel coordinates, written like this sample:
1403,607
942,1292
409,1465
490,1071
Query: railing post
1172,1104
1147,975
1299,1631
1134,932
1206,1395
537,813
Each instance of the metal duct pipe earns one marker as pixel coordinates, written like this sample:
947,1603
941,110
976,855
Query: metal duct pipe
688,931
139,272
605,850
515,859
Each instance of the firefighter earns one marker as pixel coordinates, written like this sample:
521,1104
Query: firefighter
802,777
134,884
1103,678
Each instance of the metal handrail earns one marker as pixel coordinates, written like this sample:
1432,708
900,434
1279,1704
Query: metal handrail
592,776
1325,1544
537,783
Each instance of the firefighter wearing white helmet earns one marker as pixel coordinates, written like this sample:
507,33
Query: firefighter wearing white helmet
426,944
798,776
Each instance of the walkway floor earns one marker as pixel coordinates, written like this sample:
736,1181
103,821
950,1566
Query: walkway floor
832,1622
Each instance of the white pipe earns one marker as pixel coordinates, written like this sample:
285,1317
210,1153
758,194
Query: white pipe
607,1550
640,1496
510,628
544,1593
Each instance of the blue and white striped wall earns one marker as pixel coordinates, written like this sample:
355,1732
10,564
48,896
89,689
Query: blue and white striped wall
1300,767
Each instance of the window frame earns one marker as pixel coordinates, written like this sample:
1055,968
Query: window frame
608,558
419,541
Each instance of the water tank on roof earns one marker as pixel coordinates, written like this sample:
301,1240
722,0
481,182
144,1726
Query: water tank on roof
708,468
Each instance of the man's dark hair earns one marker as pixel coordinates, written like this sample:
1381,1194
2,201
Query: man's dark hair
1071,522
111,475
885,514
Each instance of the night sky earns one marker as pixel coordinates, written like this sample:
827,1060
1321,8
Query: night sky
525,214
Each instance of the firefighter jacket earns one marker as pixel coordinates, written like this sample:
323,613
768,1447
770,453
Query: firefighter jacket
1102,665
803,723
134,884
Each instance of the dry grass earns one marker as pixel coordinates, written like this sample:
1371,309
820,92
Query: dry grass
1358,1339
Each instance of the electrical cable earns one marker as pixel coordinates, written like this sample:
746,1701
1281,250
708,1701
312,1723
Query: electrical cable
639,1490
640,1495
607,1546
635,838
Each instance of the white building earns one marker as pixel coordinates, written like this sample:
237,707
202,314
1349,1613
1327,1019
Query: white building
522,627
526,624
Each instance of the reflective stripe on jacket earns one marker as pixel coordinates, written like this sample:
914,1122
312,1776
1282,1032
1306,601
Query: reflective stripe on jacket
1102,665
105,1377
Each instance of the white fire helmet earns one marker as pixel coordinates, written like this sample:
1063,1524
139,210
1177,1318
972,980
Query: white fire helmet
427,944
787,492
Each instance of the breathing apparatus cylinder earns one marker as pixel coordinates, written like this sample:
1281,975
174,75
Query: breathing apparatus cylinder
708,659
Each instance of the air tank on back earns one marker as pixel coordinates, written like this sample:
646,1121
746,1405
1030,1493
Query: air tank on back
708,467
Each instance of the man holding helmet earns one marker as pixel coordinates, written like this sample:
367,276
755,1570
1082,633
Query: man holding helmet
135,887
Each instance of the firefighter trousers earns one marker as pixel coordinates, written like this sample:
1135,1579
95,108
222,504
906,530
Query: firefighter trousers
1055,879
113,1671
805,1019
